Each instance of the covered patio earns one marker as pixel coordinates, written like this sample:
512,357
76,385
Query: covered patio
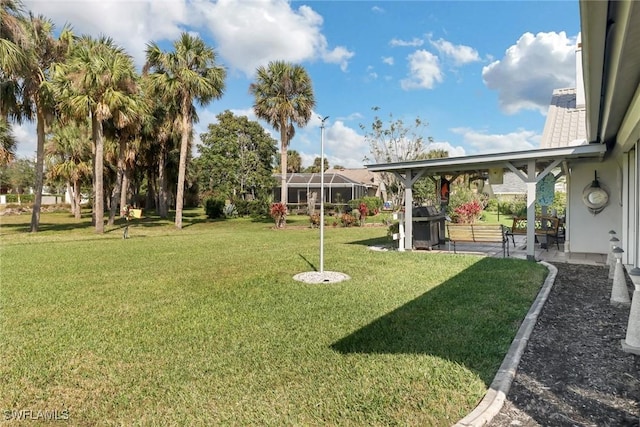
530,166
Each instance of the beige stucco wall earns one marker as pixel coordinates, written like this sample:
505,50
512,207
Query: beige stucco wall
589,233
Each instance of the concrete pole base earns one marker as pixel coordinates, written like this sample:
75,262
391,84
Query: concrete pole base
629,348
631,344
619,291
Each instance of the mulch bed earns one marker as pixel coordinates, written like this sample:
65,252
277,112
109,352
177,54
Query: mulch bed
573,371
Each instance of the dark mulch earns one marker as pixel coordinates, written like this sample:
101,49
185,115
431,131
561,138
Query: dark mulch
573,371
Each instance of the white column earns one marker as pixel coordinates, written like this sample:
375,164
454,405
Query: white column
531,210
408,211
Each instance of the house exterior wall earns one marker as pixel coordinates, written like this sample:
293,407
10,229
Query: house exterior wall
589,233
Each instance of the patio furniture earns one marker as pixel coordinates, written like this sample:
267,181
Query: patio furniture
547,226
478,233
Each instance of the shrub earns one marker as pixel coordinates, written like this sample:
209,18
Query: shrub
314,219
374,204
230,211
242,207
364,211
258,208
278,212
214,208
394,228
347,220
468,213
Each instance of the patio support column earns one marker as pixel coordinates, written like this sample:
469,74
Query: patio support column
408,211
531,210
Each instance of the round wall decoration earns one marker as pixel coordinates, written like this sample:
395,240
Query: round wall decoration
595,196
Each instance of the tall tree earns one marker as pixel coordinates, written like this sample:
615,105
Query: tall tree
315,167
69,153
283,97
236,157
395,141
294,161
98,81
43,50
188,73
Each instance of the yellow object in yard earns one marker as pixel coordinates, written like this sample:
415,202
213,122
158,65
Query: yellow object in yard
136,213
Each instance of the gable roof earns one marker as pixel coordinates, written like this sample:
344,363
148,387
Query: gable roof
566,123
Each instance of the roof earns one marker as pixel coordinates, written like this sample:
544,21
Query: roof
361,175
611,63
304,180
511,184
566,123
518,159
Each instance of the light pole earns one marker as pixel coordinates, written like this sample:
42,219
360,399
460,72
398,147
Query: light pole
322,194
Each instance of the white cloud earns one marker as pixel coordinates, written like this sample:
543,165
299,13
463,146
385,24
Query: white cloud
424,71
250,34
342,144
377,9
388,60
26,138
530,70
131,24
247,33
415,42
460,54
484,143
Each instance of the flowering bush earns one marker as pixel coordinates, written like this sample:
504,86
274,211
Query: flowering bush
278,212
469,212
364,211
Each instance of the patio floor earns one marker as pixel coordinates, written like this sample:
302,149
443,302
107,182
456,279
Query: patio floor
552,254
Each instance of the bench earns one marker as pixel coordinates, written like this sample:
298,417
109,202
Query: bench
478,233
544,226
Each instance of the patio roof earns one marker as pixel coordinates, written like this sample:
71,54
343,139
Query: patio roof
518,159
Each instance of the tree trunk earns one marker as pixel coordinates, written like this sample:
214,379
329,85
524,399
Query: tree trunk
283,170
125,188
182,168
71,196
163,200
37,203
98,206
77,200
151,200
117,191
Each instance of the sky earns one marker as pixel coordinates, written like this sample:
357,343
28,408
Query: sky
479,73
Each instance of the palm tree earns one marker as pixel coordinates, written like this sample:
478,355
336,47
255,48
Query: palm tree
69,154
294,161
7,143
283,97
42,51
98,81
189,72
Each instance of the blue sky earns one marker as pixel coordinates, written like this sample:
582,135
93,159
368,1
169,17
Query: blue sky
480,73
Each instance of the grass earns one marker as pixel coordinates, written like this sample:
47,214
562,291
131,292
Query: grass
205,326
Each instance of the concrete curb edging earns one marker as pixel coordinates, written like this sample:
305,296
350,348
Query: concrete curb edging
495,397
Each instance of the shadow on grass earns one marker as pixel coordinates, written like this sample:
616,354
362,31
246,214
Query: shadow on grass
375,241
465,320
309,263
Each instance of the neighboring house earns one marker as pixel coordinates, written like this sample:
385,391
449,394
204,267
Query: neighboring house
607,159
340,186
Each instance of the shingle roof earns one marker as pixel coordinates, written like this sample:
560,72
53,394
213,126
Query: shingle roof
566,123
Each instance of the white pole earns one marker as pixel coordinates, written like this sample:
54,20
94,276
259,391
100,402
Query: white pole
322,195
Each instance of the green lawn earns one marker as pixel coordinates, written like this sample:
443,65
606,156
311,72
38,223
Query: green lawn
205,326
